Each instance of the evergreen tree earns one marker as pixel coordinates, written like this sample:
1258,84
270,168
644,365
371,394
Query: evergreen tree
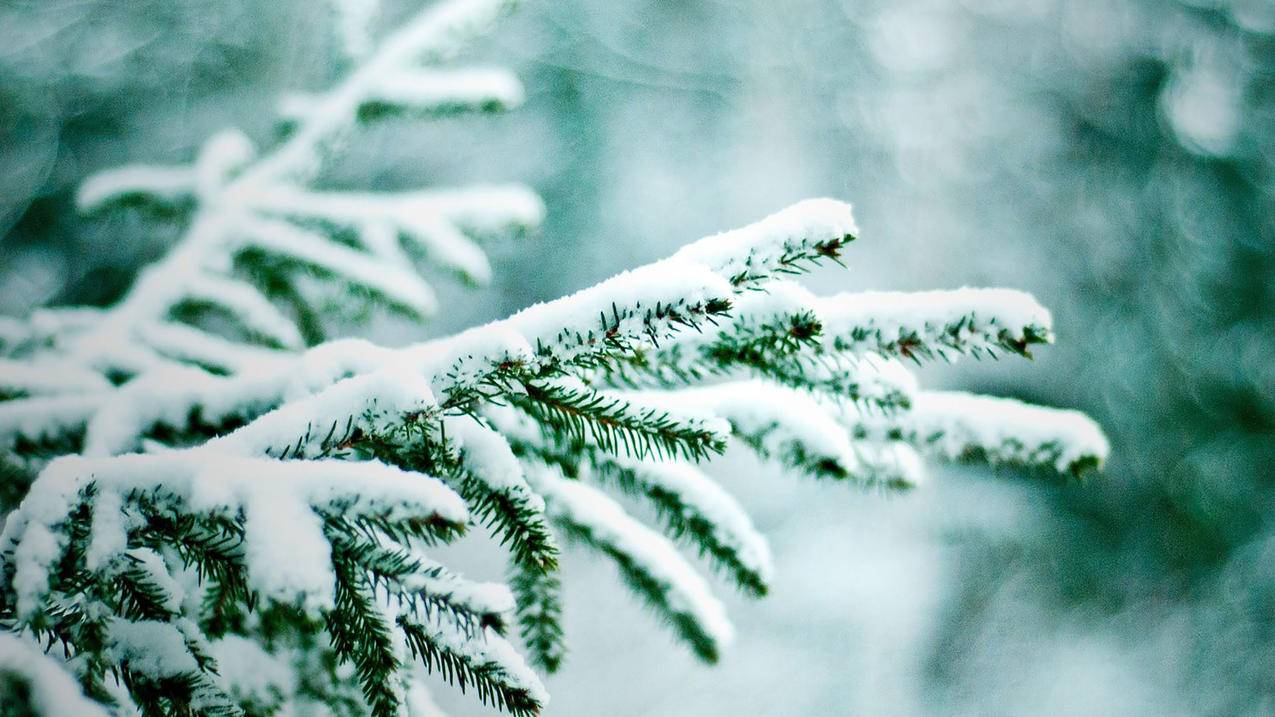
231,515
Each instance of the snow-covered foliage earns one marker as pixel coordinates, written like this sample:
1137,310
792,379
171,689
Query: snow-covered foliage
235,524
241,283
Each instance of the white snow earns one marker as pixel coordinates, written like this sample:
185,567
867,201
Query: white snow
685,590
444,244
476,87
51,690
47,417
190,345
354,21
251,672
486,454
776,416
950,422
247,304
375,401
886,316
891,463
48,378
149,647
286,553
223,155
166,184
107,530
481,209
395,283
731,525
760,248
558,324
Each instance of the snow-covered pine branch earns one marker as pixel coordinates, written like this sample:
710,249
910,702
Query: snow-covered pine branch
958,426
260,243
528,421
247,526
29,678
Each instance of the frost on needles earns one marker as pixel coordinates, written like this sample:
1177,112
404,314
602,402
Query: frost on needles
233,517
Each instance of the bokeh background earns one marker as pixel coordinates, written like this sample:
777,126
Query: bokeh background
1115,157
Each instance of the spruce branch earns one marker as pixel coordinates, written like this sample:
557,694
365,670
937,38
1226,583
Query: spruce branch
617,425
957,426
695,510
228,179
303,487
936,324
648,563
488,665
538,595
38,682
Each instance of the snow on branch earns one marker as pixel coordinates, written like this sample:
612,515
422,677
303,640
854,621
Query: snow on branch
695,508
305,487
138,183
649,563
251,246
49,689
960,426
392,283
283,504
636,310
354,20
787,242
917,325
426,92
794,429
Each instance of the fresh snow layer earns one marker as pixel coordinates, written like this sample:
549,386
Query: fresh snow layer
684,590
247,305
952,422
165,184
760,248
47,418
732,527
20,378
285,549
955,425
476,87
51,689
487,456
150,647
396,283
773,417
250,672
961,319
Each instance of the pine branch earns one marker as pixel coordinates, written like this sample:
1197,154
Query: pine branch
647,562
783,244
227,180
943,324
352,447
361,635
964,427
35,681
696,510
618,426
474,664
538,595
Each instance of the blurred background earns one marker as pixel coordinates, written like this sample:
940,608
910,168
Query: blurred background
1114,157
